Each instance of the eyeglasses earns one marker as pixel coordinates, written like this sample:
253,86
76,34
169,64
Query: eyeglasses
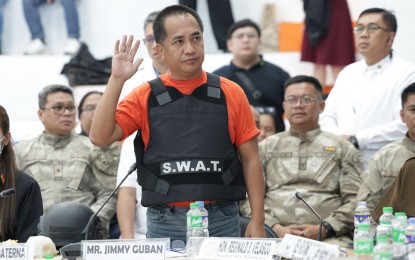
88,108
292,101
149,39
60,110
240,36
371,28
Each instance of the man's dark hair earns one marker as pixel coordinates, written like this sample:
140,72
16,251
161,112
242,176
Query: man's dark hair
46,91
159,29
150,18
81,104
409,90
388,17
304,78
241,24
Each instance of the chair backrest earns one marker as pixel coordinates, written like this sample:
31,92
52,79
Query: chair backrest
244,223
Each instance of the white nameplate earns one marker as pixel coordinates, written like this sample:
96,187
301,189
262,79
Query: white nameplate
123,249
236,248
295,247
16,252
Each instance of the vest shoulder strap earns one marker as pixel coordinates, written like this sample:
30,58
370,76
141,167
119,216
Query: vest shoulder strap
160,91
213,82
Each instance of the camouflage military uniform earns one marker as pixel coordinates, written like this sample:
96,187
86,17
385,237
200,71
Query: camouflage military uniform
383,169
323,167
70,168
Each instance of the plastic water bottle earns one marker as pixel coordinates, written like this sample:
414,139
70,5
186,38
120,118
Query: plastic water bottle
361,215
386,220
194,222
363,242
205,219
383,250
410,238
398,234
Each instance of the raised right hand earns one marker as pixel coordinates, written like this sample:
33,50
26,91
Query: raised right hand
123,64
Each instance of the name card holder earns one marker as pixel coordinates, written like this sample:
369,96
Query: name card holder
151,249
233,248
16,252
295,247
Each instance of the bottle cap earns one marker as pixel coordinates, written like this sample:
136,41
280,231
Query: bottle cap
387,210
201,203
397,214
362,203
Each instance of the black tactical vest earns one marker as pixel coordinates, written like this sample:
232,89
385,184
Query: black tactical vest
190,155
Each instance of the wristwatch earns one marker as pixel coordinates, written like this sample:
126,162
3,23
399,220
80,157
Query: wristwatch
354,141
329,230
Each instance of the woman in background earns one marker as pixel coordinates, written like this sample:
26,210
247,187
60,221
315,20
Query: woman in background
328,37
267,122
20,211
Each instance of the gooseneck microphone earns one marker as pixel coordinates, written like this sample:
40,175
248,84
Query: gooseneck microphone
73,250
7,192
91,232
299,196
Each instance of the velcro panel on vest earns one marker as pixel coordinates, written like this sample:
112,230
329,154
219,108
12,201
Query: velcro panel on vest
160,92
190,174
145,178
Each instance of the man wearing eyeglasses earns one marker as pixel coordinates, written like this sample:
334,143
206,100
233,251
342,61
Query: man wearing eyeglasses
323,167
364,104
62,161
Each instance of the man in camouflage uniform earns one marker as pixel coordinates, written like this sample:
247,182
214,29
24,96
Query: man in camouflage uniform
106,159
66,165
386,163
323,167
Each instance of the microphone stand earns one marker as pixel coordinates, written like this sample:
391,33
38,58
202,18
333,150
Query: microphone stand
132,169
299,196
73,250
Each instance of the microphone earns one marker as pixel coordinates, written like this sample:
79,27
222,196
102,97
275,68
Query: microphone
91,231
7,192
71,251
299,196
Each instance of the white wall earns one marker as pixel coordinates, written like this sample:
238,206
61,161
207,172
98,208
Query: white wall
103,21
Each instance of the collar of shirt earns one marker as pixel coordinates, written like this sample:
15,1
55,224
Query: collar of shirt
56,141
306,136
377,68
233,67
409,143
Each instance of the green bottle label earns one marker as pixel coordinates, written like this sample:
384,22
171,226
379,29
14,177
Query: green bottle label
195,221
385,222
384,256
364,246
398,236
